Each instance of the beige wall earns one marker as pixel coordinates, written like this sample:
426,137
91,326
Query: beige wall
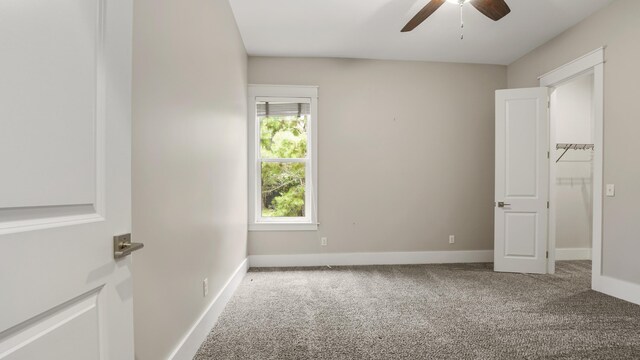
406,154
617,27
189,164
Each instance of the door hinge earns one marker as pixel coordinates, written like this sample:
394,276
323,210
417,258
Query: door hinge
547,254
547,204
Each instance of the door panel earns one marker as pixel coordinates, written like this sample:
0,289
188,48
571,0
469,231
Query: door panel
50,334
65,149
521,149
520,234
48,102
521,180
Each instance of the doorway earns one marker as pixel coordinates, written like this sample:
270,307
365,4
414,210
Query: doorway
587,69
524,239
571,134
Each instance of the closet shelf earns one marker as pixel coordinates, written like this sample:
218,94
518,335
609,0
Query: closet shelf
568,147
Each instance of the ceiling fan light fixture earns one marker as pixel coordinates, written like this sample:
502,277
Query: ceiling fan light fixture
458,2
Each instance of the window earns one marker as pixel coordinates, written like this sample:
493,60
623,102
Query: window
282,157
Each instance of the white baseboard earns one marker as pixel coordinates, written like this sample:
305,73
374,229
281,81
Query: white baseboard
573,254
380,258
191,342
617,288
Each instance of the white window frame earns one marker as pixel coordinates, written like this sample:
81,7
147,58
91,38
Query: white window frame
281,93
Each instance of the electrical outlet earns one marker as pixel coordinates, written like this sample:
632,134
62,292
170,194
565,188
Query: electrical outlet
611,190
205,287
452,239
323,241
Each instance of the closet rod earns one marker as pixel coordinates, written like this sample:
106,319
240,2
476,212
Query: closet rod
568,147
575,146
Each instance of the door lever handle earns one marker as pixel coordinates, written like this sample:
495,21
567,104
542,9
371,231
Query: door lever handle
122,246
502,204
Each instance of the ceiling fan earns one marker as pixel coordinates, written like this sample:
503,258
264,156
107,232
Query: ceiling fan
493,9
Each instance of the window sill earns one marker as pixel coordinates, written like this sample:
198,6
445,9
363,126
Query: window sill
283,227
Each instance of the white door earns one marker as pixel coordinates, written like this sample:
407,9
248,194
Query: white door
65,108
522,180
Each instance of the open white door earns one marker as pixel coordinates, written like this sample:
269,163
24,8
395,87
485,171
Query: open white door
522,180
65,120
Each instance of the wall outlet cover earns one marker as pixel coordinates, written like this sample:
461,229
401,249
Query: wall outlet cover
611,190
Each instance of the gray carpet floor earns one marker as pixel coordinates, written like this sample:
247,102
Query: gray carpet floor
463,311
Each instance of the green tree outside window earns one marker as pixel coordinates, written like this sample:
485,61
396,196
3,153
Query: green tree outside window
283,183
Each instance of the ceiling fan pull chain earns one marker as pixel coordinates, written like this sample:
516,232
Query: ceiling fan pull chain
461,22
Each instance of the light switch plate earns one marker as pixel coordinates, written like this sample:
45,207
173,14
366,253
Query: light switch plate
611,190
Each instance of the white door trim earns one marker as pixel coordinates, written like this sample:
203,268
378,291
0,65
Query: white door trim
572,69
591,62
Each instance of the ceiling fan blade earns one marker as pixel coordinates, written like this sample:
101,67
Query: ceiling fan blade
493,9
426,11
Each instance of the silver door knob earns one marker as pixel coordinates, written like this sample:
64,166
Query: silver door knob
122,246
502,204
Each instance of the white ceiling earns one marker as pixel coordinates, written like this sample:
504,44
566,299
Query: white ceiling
371,29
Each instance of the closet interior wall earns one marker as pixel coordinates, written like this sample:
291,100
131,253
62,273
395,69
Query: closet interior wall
574,175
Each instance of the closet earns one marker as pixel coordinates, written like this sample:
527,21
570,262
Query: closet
572,186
